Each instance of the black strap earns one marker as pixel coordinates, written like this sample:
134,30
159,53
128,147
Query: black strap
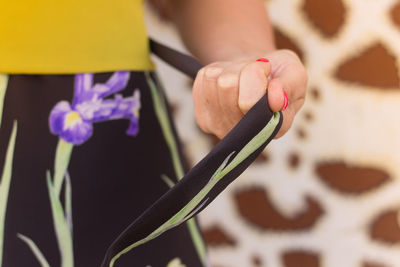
181,62
205,179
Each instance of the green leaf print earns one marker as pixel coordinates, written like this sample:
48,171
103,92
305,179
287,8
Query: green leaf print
5,184
68,201
167,180
162,115
223,169
61,226
160,108
63,155
36,251
176,262
3,88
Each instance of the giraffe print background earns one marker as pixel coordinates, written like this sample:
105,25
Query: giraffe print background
328,193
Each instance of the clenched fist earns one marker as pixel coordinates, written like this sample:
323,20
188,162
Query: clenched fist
224,91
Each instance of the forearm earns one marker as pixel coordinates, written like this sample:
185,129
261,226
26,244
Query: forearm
222,30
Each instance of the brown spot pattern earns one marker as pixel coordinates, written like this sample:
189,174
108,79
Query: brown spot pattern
386,227
256,260
255,206
308,116
298,258
263,158
216,236
301,134
375,67
372,264
350,179
395,14
284,42
294,160
327,15
315,94
174,107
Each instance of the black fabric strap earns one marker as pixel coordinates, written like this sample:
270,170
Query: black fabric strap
250,128
181,62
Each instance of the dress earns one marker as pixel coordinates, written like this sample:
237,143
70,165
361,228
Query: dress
100,172
87,154
116,168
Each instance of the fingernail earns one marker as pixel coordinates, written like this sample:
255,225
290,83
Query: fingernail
286,103
263,59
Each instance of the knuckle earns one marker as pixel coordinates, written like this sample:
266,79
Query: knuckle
227,80
199,75
255,67
212,71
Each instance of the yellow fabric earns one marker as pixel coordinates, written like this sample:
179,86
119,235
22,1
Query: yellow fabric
70,36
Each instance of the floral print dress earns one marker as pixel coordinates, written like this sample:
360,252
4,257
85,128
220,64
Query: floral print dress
82,156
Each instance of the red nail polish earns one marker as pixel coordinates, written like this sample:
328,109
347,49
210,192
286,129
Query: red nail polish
263,60
285,105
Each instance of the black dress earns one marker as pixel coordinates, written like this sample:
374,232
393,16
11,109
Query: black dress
103,129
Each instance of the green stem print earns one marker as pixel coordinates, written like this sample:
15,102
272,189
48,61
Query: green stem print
63,155
62,228
68,201
167,180
7,167
162,115
176,262
62,220
5,184
3,88
73,129
199,200
76,129
36,251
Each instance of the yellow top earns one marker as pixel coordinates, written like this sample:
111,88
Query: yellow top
71,36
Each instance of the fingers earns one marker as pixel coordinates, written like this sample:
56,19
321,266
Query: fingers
253,84
205,97
276,99
228,93
224,91
199,103
290,77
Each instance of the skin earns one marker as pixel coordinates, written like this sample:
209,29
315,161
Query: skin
228,36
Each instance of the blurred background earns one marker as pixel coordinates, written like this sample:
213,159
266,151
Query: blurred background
327,194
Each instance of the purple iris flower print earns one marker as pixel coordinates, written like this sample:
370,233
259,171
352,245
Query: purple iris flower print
74,122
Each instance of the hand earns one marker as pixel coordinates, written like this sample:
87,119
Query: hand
224,91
